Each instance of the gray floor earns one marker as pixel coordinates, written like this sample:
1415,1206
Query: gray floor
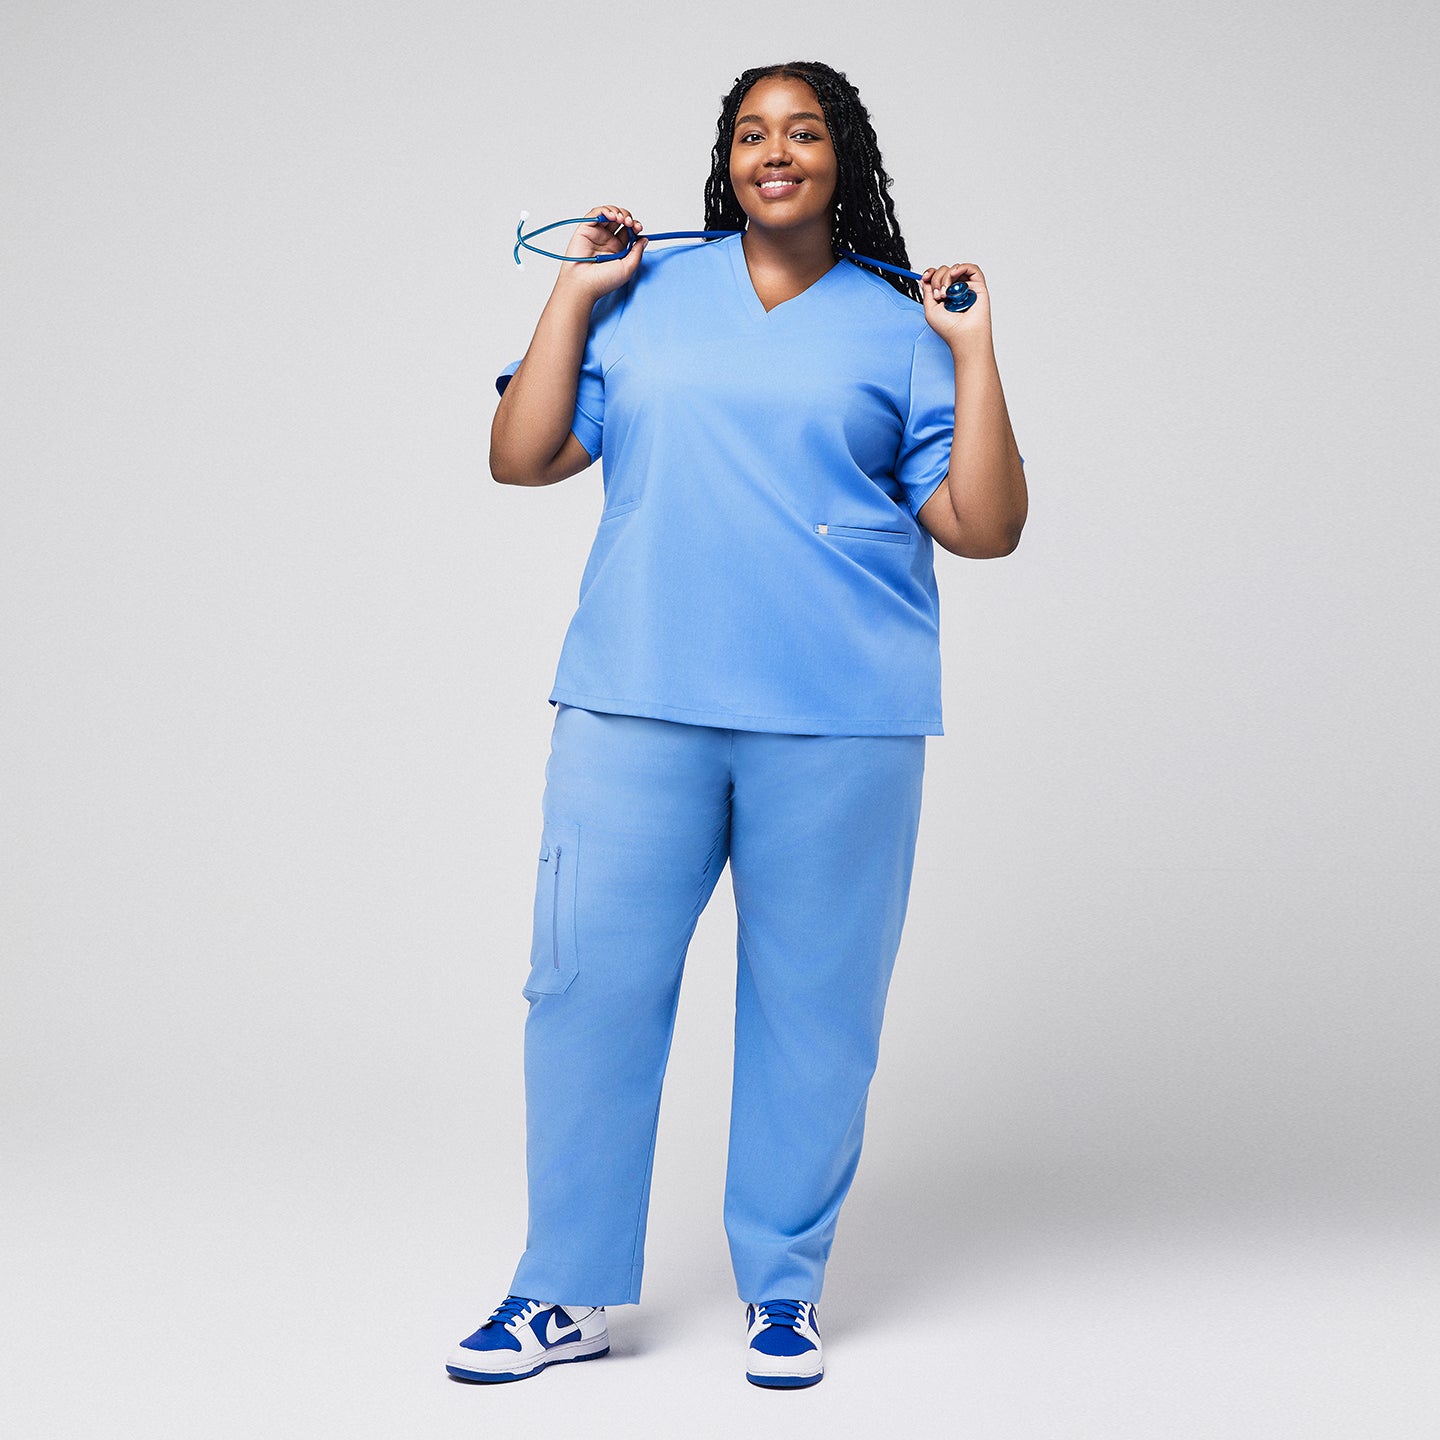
178,1287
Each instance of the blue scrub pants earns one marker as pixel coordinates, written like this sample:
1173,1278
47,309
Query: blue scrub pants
640,816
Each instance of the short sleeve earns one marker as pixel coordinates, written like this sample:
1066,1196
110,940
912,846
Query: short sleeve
924,457
588,422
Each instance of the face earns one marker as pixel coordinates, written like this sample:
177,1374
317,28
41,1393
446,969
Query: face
782,162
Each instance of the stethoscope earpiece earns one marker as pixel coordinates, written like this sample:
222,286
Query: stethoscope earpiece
523,238
959,297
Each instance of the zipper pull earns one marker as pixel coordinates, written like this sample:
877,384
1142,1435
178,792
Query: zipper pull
555,912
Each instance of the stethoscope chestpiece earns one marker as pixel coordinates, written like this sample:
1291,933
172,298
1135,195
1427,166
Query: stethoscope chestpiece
960,297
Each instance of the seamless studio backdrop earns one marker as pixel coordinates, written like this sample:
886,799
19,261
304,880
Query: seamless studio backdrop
1151,1148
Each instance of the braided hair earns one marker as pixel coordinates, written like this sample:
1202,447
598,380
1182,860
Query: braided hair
862,213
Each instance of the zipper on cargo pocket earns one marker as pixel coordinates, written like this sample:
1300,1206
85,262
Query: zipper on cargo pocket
555,911
554,957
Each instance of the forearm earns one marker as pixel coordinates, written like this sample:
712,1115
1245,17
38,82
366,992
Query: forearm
533,418
986,479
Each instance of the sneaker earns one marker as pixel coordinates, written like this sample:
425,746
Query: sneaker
523,1336
784,1344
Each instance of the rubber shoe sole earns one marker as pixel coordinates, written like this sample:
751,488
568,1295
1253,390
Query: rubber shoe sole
785,1382
459,1368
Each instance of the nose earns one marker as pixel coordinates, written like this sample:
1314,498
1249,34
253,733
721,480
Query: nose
777,150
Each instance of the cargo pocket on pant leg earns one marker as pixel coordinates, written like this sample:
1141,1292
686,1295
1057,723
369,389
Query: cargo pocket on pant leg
554,954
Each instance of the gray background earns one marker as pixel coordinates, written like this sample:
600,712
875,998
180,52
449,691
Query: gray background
1152,1146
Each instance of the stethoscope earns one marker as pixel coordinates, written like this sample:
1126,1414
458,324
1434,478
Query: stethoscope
958,297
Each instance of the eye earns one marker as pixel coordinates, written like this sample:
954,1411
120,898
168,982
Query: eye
754,134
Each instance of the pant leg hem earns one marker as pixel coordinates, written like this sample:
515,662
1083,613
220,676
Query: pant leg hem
779,1282
577,1285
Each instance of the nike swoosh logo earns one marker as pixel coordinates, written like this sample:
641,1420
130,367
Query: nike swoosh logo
554,1334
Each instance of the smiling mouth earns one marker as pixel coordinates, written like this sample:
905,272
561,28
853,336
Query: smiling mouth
777,187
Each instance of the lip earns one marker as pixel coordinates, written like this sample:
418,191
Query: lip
788,185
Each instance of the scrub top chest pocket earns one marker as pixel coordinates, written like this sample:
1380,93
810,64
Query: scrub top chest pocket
554,954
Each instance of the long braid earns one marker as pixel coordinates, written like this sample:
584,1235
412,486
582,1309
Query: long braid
864,214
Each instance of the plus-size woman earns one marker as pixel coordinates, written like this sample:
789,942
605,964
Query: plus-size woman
749,676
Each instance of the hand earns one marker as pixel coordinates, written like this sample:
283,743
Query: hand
963,327
604,237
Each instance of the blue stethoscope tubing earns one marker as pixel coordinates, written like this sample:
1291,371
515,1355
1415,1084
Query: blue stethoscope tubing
957,298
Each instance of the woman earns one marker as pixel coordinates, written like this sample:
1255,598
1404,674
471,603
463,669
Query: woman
750,676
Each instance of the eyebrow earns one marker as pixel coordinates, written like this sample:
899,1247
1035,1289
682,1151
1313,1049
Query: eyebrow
798,115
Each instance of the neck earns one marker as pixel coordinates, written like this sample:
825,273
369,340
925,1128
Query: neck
801,254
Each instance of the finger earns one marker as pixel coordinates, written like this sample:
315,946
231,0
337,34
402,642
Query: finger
612,220
623,221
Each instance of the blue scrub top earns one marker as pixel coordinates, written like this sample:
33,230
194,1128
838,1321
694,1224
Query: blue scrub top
757,563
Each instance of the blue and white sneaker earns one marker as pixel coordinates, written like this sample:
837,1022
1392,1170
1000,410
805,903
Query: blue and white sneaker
523,1336
784,1344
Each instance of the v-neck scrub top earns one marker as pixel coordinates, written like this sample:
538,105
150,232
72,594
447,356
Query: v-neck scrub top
757,564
